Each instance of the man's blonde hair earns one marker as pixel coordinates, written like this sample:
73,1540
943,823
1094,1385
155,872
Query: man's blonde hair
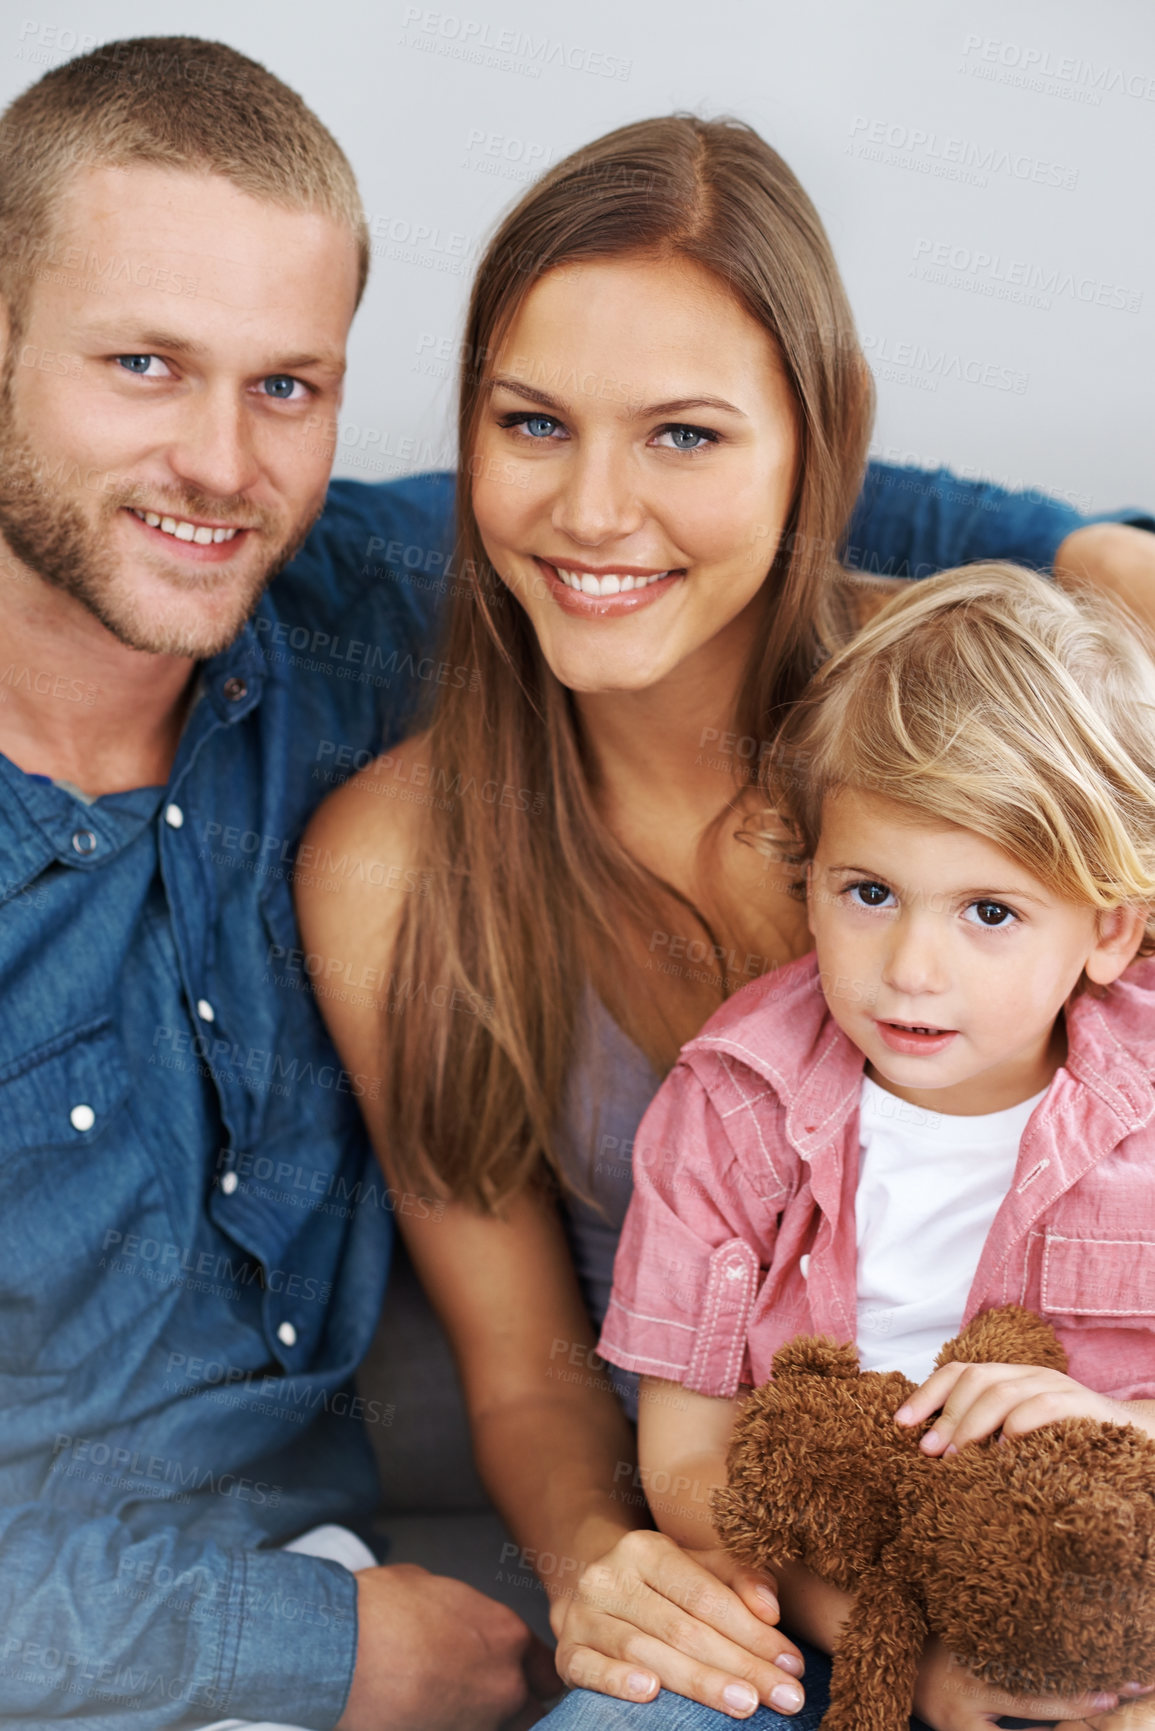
986,697
174,102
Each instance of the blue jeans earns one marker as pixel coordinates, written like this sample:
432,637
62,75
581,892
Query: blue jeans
585,1711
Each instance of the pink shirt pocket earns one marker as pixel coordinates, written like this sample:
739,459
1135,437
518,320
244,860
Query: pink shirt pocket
1095,1277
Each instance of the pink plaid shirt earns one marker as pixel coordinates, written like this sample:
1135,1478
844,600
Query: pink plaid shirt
741,1230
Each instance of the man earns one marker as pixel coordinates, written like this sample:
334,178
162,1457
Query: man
195,1245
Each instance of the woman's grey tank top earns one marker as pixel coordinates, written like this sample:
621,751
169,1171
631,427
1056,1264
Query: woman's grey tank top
611,1082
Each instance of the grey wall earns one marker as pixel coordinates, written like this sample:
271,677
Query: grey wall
985,171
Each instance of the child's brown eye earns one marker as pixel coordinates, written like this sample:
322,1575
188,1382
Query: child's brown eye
871,895
993,913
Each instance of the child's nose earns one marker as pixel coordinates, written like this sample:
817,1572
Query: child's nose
914,962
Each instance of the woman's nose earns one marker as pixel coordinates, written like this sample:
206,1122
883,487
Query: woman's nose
596,501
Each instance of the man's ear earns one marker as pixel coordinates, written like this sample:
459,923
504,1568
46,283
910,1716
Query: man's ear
1119,934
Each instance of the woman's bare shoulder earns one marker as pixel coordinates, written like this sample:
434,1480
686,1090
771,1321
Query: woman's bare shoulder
357,861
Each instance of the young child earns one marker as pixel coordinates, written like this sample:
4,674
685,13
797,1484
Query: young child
951,1104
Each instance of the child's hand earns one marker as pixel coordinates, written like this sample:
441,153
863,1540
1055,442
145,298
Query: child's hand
979,1399
948,1698
1128,1716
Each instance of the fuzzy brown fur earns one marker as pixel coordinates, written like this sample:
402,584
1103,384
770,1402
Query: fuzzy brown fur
1032,1559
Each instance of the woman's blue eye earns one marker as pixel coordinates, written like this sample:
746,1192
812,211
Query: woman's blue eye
687,438
992,913
539,426
870,895
279,385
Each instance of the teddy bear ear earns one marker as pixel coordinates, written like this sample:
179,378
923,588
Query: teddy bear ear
1007,1335
815,1355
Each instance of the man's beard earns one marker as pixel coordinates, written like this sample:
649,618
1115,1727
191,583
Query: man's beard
48,531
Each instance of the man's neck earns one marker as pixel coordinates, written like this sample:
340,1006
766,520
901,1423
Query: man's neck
76,704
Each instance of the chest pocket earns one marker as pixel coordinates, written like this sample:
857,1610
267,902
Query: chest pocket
74,1175
1098,1277
64,1092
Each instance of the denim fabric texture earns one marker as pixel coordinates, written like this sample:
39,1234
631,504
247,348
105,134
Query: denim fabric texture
583,1710
195,1239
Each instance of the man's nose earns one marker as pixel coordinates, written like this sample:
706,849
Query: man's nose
597,500
214,450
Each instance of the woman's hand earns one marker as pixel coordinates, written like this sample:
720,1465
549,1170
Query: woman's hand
949,1698
649,1615
979,1399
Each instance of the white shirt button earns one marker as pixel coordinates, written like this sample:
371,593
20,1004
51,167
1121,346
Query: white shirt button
287,1334
733,1271
229,1182
82,1117
173,816
205,1010
804,1267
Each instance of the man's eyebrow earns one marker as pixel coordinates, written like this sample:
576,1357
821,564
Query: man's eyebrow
133,341
675,406
138,342
974,892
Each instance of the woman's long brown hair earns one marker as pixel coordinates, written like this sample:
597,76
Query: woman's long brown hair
526,888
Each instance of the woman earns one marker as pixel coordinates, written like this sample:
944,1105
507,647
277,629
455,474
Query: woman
663,424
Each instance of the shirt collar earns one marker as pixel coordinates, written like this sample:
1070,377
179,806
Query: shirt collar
43,822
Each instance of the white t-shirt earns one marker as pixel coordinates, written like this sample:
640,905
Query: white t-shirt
929,1187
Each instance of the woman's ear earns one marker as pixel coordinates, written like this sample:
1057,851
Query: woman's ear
1119,932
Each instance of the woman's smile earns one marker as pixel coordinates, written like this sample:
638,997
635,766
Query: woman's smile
588,593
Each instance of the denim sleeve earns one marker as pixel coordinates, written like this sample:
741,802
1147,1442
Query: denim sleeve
913,522
143,1632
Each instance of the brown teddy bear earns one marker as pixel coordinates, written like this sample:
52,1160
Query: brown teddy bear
1033,1559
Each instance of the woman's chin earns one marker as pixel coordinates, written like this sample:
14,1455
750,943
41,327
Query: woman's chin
605,671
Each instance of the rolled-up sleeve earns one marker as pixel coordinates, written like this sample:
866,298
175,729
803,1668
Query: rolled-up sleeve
697,1235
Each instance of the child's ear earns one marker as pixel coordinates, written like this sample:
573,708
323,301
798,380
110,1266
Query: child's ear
1119,934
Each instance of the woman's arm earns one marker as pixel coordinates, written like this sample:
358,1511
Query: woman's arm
552,1445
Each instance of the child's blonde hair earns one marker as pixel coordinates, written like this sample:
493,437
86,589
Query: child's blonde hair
986,697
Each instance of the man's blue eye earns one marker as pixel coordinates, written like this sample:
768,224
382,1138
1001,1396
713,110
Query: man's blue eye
135,363
279,385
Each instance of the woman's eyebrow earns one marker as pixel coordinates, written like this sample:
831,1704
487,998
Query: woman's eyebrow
679,406
505,382
676,405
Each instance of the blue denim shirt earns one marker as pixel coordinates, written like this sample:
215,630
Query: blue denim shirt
195,1241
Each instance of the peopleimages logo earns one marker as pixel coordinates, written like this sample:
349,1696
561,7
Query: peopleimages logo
897,145
1000,277
504,49
1031,68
